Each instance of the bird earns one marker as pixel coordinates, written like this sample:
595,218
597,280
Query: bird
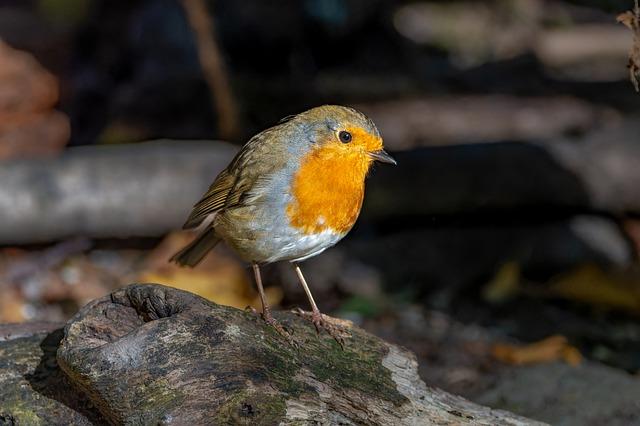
291,192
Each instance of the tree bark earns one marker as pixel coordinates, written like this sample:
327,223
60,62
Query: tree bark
149,354
33,389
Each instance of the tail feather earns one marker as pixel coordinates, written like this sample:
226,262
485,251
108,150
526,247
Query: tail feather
193,253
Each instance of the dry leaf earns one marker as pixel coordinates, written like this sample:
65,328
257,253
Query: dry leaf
220,277
33,134
223,286
274,295
551,349
12,306
631,19
26,85
632,230
29,126
504,285
627,19
590,284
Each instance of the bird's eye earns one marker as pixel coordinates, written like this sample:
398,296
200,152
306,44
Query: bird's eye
344,136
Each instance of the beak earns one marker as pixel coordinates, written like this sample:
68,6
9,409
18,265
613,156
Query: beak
382,156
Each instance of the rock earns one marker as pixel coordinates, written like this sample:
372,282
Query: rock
589,394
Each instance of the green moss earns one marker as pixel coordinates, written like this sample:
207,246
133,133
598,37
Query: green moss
24,351
358,367
152,401
21,413
277,365
158,396
252,408
16,358
23,397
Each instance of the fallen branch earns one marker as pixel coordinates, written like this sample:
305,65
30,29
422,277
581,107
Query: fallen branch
111,191
448,120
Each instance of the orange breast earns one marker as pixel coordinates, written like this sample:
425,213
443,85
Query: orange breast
328,190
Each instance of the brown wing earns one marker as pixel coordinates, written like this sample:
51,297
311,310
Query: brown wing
256,159
212,201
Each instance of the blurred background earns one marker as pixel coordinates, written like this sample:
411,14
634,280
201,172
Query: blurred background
502,250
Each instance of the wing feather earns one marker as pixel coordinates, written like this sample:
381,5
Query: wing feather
257,159
214,199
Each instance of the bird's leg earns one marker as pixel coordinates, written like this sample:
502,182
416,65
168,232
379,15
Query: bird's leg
266,310
319,320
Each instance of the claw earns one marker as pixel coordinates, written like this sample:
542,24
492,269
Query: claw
323,322
272,322
281,330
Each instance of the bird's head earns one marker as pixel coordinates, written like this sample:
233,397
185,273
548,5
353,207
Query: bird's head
342,132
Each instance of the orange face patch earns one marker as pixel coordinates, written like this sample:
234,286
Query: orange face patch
363,140
328,188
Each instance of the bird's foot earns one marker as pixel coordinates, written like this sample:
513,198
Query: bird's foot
334,327
271,321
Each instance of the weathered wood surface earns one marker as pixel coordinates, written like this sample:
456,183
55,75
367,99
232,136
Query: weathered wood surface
147,189
33,390
149,354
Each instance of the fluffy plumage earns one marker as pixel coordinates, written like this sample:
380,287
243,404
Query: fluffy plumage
292,191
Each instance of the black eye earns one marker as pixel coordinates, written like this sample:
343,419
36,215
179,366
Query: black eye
345,137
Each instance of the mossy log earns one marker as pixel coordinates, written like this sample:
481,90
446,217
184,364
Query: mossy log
33,389
149,354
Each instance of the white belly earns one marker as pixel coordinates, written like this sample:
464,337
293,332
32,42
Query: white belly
296,246
268,241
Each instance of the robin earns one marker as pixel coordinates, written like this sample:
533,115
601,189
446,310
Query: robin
290,193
